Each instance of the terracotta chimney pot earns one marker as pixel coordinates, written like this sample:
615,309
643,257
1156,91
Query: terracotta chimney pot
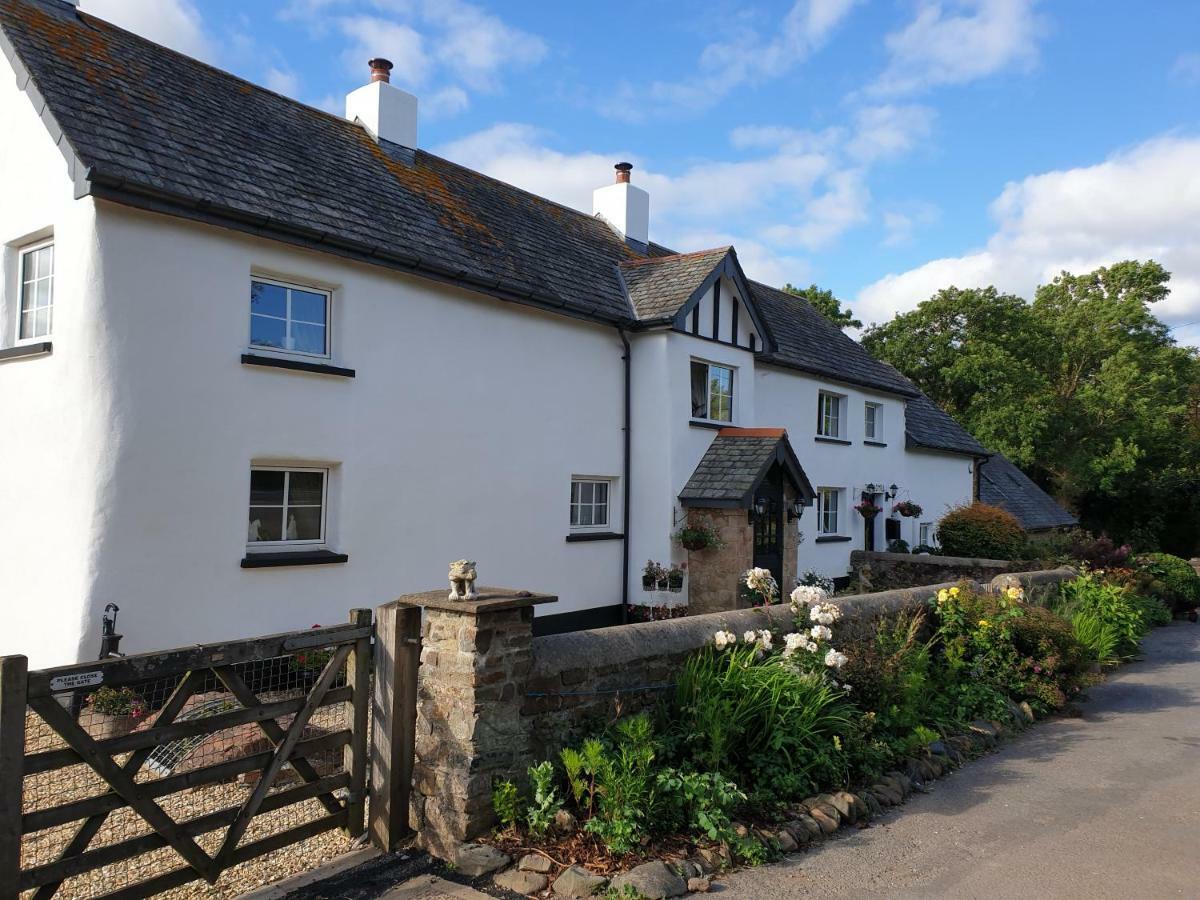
623,170
381,69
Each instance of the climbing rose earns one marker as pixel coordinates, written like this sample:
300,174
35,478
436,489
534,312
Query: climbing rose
835,660
821,632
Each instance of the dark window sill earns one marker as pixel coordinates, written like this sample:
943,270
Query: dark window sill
298,558
874,444
296,365
821,439
580,537
42,348
701,423
832,539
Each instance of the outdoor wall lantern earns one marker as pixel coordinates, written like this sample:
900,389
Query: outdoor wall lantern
797,510
759,509
892,491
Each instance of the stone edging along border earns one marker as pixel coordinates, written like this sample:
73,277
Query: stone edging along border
808,822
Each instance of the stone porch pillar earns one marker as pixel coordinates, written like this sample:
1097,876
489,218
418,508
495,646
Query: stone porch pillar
475,659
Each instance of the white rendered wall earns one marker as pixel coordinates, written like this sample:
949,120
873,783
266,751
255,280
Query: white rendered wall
54,455
788,399
458,438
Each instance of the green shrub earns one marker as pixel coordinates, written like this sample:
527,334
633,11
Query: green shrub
980,530
1099,638
541,813
1111,604
760,721
628,802
505,801
1174,582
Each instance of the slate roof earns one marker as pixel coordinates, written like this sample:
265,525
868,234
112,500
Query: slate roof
927,426
735,464
659,286
805,340
1002,484
143,125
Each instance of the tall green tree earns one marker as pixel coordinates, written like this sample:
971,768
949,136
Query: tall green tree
826,304
1084,388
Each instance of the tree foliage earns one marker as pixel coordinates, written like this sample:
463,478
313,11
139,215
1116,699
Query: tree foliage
826,304
1083,387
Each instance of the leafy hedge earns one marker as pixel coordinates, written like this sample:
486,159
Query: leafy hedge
1172,580
980,530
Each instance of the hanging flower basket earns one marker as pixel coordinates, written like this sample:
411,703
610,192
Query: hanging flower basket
699,537
867,509
908,509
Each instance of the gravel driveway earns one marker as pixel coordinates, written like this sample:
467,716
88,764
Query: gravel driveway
1103,806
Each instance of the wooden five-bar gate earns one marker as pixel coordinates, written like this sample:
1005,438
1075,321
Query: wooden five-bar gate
134,775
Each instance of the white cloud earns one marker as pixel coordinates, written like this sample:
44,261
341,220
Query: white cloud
1186,68
282,81
744,57
900,225
441,49
175,23
888,131
1143,203
958,41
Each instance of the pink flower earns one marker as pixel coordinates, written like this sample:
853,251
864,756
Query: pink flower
1038,669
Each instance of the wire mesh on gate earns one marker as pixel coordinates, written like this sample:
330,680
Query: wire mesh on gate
110,712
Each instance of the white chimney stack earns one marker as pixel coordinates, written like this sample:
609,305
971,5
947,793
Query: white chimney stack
383,109
624,207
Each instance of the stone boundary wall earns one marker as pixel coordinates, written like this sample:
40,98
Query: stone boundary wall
879,571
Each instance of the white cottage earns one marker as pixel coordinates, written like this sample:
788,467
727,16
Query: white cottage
260,364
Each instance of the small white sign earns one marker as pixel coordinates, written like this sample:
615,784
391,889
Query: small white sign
80,680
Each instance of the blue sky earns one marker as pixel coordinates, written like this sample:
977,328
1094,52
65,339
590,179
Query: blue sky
881,148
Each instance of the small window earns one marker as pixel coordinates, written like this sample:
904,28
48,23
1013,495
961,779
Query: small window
287,506
873,421
829,414
712,392
288,318
925,534
37,292
829,502
589,502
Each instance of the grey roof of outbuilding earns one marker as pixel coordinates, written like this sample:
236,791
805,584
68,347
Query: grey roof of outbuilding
1002,484
142,125
659,286
735,464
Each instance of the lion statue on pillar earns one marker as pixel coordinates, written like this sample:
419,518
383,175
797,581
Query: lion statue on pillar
462,580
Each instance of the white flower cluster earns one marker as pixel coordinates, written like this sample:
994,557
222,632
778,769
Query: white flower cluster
795,642
824,613
763,639
762,582
835,659
724,639
808,594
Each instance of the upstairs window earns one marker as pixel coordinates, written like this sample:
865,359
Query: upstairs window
712,392
829,414
37,292
287,506
829,502
873,421
288,318
589,503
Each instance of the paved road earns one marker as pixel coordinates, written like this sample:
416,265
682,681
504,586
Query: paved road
1104,806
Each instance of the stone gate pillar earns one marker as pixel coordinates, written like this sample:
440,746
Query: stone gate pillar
475,659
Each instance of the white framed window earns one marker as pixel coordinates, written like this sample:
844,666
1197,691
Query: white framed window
289,318
287,506
590,503
829,510
829,414
925,534
36,310
712,392
873,421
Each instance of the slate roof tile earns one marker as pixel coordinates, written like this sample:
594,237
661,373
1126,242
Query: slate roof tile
734,464
1002,484
659,286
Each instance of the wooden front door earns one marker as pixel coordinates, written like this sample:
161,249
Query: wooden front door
768,528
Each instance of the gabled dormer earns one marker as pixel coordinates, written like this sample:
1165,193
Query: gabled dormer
704,294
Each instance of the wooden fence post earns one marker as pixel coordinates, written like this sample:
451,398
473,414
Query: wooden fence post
358,676
393,737
13,700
